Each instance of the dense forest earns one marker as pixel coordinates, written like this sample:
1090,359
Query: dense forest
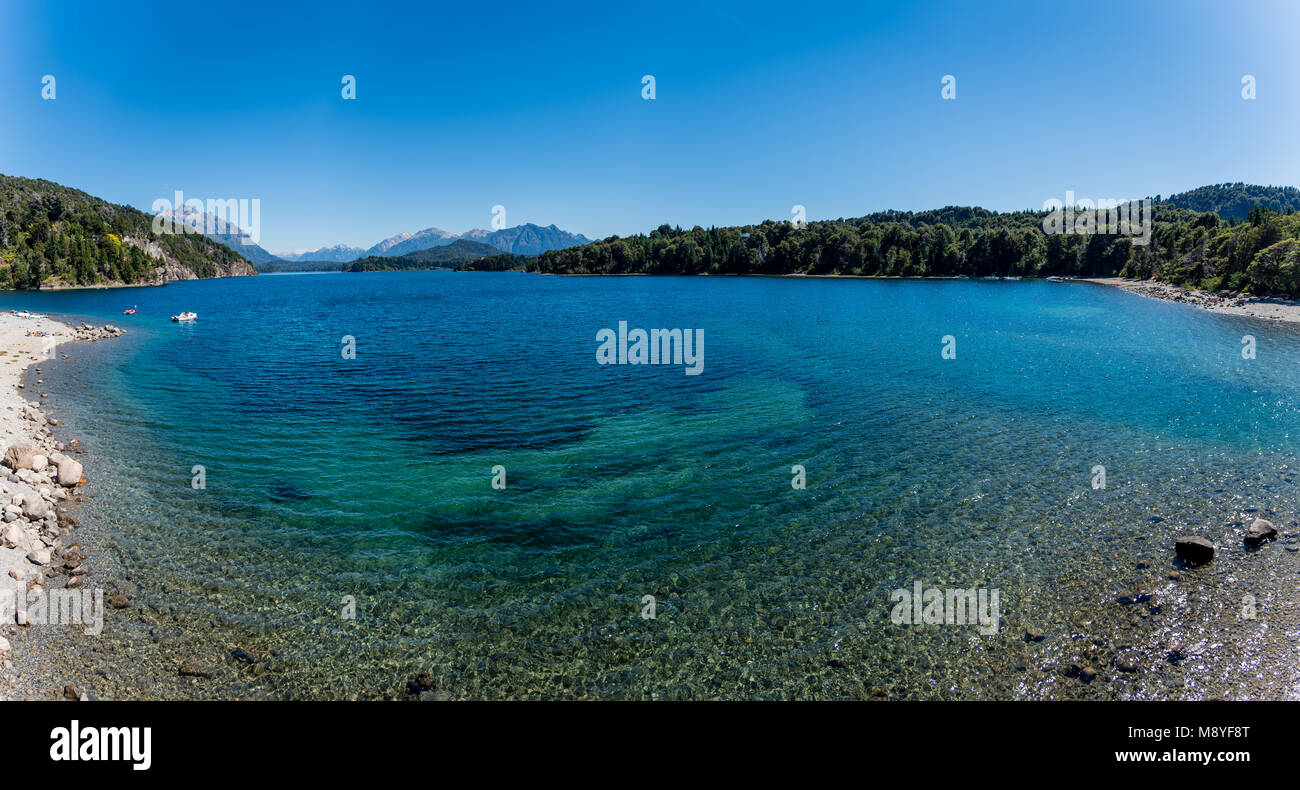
1260,254
1236,201
51,235
278,265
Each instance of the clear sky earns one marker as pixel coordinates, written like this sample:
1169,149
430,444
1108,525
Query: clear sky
759,106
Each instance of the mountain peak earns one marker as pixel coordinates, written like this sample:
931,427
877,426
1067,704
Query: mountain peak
526,239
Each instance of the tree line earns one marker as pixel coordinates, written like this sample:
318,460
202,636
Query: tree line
1258,255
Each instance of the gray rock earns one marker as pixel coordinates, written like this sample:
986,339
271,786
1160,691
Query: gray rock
195,669
34,506
1194,549
1259,531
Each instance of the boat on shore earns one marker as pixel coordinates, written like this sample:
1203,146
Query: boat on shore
1055,279
186,316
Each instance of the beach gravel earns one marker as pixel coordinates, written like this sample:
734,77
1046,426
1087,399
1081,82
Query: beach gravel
33,480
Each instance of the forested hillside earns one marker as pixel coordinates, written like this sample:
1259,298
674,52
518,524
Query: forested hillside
446,257
1259,255
1236,201
52,235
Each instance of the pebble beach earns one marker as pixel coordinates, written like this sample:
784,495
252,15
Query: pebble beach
39,551
1271,306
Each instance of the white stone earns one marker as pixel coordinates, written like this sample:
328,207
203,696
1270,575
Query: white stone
34,505
69,472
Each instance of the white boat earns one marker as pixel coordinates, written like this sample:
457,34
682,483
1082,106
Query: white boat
1011,278
1055,279
185,316
991,277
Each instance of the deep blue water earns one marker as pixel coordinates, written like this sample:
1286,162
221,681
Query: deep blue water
371,478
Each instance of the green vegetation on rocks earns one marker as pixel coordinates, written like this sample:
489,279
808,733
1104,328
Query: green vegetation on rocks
52,235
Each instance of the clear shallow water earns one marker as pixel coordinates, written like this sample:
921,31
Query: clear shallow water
370,478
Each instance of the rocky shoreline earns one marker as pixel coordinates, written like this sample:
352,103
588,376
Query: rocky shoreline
40,556
1272,306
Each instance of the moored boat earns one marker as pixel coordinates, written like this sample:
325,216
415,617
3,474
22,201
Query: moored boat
186,316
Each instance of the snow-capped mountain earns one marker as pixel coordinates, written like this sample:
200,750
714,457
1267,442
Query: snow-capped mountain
528,239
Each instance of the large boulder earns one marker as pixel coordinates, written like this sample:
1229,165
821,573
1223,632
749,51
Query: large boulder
1259,531
69,472
34,506
1195,550
24,457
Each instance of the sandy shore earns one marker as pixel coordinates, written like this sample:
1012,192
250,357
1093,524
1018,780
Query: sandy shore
1221,302
40,560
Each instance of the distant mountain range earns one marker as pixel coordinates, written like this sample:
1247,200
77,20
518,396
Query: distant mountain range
224,233
444,256
528,239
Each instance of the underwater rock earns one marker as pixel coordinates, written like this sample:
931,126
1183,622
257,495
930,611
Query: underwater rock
1083,672
1136,596
1259,531
423,682
284,491
195,669
1194,549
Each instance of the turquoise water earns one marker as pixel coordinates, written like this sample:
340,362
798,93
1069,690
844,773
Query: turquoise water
369,479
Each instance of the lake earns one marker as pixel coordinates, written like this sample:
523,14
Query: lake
333,516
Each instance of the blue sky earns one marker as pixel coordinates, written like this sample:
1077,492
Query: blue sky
833,106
